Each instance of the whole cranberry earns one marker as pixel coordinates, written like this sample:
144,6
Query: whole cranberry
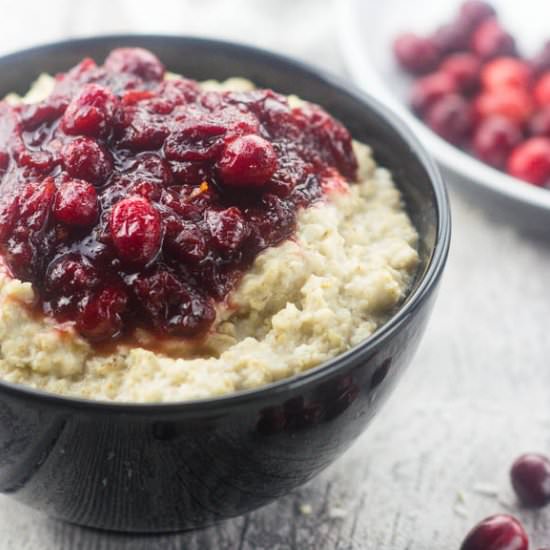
491,40
429,89
530,161
247,161
416,54
505,72
85,158
500,532
76,203
530,476
541,92
91,112
452,37
476,11
451,118
539,125
494,139
512,103
137,61
464,68
135,227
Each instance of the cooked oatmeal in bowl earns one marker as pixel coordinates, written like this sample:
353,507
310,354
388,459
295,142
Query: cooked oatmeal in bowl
164,239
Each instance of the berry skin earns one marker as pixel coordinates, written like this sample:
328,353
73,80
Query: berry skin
530,161
512,103
247,161
490,40
416,54
494,139
530,476
499,532
464,68
541,92
429,89
451,118
136,61
75,203
135,227
84,158
504,72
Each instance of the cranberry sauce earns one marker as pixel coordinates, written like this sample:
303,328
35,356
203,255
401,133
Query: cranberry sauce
133,201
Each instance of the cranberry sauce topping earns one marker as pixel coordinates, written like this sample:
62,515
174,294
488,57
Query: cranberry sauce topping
133,201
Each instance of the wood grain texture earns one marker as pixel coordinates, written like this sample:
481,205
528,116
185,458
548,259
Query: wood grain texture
436,459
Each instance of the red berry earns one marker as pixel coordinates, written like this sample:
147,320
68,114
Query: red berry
476,11
416,54
195,140
539,125
86,159
227,227
451,118
136,61
491,40
91,112
512,103
247,161
541,92
464,68
135,227
541,62
35,202
76,203
429,89
453,37
494,139
530,475
500,532
505,72
530,161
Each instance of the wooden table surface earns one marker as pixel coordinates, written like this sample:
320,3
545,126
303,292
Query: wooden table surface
436,459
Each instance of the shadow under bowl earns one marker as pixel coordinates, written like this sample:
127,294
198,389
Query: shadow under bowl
168,467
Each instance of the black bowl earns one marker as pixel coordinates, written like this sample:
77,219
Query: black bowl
165,467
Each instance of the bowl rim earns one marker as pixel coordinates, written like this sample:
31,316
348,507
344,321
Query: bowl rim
453,159
217,405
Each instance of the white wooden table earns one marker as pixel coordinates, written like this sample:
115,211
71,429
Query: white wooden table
477,394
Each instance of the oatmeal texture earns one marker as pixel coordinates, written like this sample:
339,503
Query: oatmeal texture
303,302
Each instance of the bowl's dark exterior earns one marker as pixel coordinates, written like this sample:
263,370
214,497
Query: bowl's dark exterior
154,468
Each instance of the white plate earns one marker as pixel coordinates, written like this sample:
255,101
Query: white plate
366,31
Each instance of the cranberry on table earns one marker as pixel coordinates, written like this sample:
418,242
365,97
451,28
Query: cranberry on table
494,139
76,203
451,118
135,227
530,476
464,68
247,161
541,92
530,161
512,103
429,89
491,40
416,54
499,532
505,72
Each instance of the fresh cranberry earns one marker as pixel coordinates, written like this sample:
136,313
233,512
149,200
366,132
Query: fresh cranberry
530,475
505,72
135,228
416,54
491,40
512,103
530,161
541,92
247,161
136,61
464,68
494,139
500,532
451,118
76,203
452,37
539,125
85,158
429,89
475,12
91,112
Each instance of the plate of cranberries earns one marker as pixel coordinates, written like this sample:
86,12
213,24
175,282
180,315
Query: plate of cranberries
472,78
